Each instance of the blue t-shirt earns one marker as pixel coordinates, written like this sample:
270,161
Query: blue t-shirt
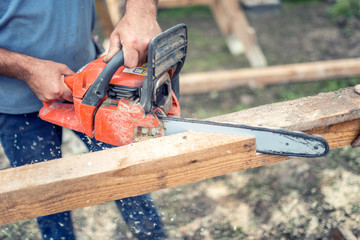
57,30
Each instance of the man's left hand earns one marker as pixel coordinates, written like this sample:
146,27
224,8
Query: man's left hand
134,32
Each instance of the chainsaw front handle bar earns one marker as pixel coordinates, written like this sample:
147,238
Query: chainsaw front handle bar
98,89
166,50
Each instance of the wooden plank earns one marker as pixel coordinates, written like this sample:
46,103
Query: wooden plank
226,79
89,179
181,3
105,19
84,180
303,114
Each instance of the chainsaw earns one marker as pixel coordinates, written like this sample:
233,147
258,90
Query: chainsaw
119,106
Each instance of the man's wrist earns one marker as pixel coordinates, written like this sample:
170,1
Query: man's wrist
15,65
147,7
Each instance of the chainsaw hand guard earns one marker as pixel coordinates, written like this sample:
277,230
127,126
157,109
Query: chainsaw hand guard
166,50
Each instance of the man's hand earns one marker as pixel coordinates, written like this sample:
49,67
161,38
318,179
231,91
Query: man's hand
45,78
134,32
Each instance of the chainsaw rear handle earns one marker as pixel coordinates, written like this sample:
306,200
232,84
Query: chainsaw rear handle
98,89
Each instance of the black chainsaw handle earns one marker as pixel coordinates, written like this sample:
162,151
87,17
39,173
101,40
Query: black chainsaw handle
98,89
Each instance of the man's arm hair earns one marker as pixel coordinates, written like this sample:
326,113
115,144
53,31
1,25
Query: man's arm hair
146,6
44,77
15,65
154,1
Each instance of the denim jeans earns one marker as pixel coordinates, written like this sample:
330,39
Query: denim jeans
27,139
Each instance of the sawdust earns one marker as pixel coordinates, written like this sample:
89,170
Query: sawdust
296,199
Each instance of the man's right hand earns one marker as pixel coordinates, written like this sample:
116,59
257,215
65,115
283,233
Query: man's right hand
45,78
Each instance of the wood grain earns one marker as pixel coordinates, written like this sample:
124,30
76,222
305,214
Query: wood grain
155,164
84,180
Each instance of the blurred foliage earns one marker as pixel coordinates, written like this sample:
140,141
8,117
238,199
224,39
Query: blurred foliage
297,90
344,12
345,9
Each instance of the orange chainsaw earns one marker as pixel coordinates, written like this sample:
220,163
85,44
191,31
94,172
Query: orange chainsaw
117,105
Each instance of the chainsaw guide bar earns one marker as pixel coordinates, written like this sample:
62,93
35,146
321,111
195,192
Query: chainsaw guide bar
268,141
118,107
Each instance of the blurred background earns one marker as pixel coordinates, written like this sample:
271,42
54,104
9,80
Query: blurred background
295,199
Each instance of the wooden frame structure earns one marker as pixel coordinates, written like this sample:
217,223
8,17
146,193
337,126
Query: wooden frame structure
231,19
229,15
88,179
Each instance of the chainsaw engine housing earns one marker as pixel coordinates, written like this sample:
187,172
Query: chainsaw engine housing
117,105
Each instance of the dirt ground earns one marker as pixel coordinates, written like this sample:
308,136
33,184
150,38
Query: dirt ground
296,199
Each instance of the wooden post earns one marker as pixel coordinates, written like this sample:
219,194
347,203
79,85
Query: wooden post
230,17
234,25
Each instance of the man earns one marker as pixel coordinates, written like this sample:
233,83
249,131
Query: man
40,42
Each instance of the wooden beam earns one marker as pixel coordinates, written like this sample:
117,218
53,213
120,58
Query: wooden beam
185,3
147,166
225,79
229,15
181,3
234,25
105,19
135,169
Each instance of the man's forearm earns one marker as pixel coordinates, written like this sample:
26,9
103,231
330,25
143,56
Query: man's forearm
146,1
44,77
15,65
142,6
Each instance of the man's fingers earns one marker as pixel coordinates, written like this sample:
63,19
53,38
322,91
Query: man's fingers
112,52
68,72
114,47
143,58
131,57
68,96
